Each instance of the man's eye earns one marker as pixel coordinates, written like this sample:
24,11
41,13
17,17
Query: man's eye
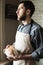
22,7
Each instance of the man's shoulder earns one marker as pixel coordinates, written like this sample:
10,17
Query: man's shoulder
35,25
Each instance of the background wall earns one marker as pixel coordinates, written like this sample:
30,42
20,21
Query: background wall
2,28
38,15
10,30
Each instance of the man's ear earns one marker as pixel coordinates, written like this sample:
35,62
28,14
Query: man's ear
28,11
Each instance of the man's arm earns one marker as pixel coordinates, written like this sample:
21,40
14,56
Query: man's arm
21,57
38,41
26,56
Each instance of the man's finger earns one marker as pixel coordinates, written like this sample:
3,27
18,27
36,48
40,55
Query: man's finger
10,59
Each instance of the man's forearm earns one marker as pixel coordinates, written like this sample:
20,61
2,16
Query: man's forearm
27,56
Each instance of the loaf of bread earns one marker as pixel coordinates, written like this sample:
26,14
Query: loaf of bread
10,51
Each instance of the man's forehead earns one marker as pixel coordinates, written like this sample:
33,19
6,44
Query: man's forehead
21,5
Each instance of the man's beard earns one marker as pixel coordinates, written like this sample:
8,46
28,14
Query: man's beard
22,18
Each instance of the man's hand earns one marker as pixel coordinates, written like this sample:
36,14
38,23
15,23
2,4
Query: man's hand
11,58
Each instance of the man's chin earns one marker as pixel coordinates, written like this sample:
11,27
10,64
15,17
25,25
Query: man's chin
18,19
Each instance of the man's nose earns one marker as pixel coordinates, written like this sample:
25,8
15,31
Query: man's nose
16,11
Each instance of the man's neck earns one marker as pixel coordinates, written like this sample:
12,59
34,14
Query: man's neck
27,21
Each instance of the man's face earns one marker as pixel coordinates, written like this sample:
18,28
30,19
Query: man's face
21,12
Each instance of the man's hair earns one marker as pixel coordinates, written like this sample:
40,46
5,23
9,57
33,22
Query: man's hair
29,5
